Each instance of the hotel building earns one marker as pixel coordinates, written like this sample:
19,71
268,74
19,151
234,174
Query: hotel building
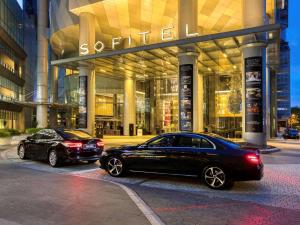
152,66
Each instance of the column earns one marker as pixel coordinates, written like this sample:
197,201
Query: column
87,73
53,96
187,26
129,105
191,58
42,65
254,75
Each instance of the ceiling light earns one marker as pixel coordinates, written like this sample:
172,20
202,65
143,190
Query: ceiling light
225,55
209,69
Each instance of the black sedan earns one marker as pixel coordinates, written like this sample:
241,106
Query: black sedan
217,161
58,146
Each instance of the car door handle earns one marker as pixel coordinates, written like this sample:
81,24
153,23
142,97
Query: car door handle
211,154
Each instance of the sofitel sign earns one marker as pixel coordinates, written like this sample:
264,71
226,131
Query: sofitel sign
167,34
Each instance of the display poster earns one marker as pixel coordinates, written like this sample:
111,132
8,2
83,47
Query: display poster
254,100
186,97
82,120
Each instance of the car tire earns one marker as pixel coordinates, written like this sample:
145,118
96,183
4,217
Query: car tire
115,166
21,152
53,158
92,161
216,177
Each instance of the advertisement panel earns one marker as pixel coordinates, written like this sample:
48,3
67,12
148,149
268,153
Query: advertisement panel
253,89
186,97
82,120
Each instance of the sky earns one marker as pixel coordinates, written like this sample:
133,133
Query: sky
20,3
293,36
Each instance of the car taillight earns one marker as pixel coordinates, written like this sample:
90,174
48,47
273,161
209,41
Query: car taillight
100,144
252,158
73,144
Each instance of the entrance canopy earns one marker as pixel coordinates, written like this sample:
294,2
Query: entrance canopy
218,53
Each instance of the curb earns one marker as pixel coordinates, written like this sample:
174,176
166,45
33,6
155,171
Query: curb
269,151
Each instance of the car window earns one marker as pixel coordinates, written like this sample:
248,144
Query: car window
206,144
166,141
36,136
189,141
74,134
48,134
193,142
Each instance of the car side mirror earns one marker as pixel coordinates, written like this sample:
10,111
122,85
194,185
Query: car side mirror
29,138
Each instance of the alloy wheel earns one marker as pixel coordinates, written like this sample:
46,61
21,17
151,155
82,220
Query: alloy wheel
115,166
53,158
214,177
22,152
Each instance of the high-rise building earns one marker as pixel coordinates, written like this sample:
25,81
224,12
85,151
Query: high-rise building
12,65
18,42
283,73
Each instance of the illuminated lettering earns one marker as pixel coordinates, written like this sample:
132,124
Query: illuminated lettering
99,46
84,49
167,34
129,41
144,36
187,32
115,41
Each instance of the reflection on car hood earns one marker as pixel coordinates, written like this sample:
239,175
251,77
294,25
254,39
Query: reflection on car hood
122,147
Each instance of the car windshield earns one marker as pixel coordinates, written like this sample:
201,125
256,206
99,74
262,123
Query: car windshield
74,134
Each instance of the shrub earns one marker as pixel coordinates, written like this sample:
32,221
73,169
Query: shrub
9,132
13,132
4,133
32,130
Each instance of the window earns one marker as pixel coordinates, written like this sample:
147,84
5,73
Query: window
167,141
193,142
74,134
206,144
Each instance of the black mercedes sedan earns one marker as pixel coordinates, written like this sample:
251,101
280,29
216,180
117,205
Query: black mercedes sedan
58,146
217,161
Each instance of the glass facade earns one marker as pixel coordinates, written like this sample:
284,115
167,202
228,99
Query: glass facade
12,64
11,20
8,119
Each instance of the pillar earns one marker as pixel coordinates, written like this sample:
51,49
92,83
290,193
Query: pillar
129,104
254,60
188,15
87,36
42,65
191,58
53,96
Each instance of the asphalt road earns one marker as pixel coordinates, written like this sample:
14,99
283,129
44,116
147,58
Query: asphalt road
33,197
34,188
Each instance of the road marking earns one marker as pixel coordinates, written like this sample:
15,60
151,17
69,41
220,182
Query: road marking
146,210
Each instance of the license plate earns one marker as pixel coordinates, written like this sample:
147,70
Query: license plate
90,146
